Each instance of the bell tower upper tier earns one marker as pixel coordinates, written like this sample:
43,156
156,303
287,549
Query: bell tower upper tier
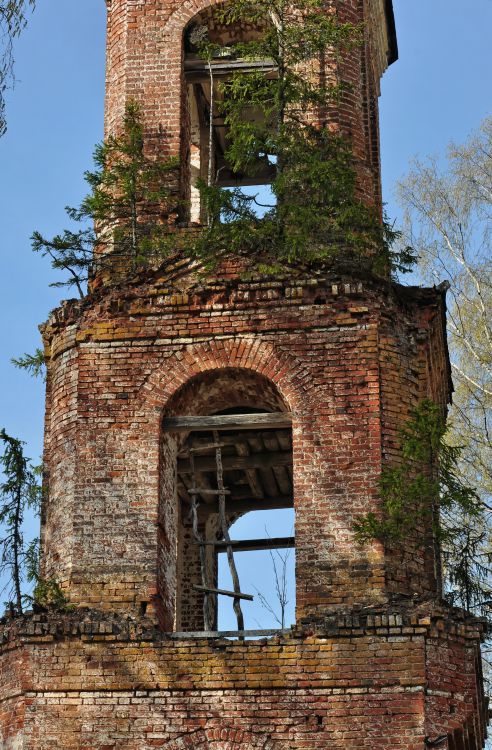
146,62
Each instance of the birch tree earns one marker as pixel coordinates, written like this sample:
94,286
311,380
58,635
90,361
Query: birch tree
13,18
448,206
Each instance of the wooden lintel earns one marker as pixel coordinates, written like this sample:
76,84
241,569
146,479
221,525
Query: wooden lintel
273,420
196,69
254,545
229,634
223,592
245,506
265,460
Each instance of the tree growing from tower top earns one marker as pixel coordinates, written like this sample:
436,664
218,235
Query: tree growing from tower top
283,119
124,218
316,217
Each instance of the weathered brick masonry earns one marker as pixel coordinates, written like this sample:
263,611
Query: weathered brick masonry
93,682
145,62
349,358
376,659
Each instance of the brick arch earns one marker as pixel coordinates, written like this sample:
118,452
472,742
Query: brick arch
283,370
197,380
179,19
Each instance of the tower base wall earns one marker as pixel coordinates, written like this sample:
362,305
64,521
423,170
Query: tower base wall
398,679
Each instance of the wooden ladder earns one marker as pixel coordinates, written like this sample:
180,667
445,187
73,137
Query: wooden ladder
202,542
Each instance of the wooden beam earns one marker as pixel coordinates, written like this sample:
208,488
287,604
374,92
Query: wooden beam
187,482
243,436
252,461
279,470
267,477
204,491
245,506
254,545
223,592
197,69
255,485
273,420
227,634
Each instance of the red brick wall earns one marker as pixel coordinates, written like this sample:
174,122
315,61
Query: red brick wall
82,681
347,358
145,62
414,366
370,663
455,698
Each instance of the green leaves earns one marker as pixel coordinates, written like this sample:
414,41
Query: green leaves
275,127
293,32
129,196
427,488
426,481
314,219
125,215
20,491
448,208
49,594
13,19
276,122
34,364
13,15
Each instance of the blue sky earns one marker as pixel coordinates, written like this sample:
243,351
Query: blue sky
438,91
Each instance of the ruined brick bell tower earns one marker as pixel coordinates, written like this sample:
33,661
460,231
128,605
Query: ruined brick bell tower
176,404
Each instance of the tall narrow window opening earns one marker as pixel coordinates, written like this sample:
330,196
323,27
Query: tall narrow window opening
208,133
230,465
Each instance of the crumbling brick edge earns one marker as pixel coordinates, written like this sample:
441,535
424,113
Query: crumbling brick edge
428,618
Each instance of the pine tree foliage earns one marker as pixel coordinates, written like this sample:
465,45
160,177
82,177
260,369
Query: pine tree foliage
130,214
13,18
34,364
124,217
425,481
448,205
427,487
315,215
448,220
47,592
20,491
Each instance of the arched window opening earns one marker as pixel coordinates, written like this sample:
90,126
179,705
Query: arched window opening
232,466
208,139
